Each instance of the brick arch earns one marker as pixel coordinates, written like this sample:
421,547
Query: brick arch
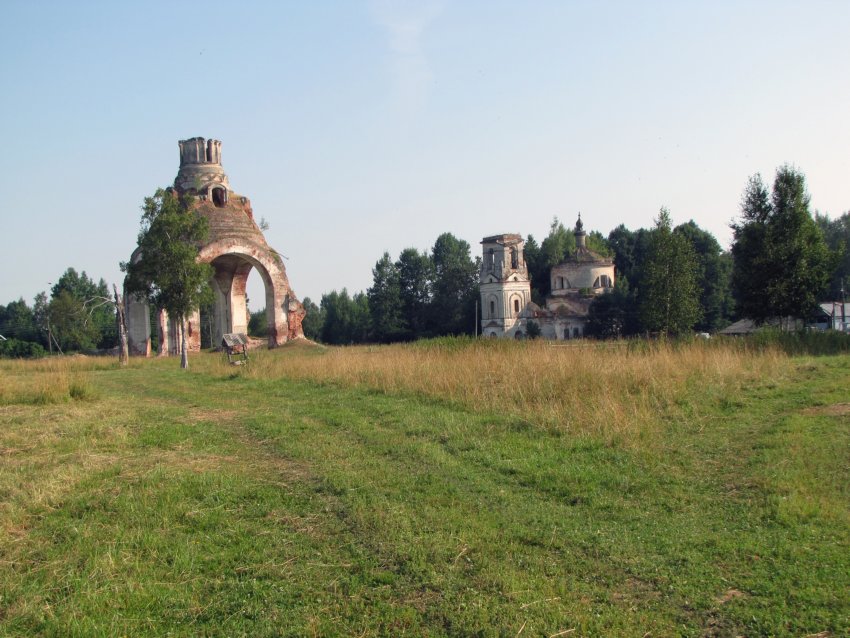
232,260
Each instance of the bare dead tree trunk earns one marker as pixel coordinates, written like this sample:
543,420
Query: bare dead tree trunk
184,351
123,349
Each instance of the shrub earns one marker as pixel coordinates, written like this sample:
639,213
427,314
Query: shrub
811,342
17,349
258,325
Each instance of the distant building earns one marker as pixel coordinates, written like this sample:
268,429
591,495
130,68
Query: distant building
829,315
506,306
505,287
832,315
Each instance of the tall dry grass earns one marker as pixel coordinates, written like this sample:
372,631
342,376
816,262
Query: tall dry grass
47,381
609,390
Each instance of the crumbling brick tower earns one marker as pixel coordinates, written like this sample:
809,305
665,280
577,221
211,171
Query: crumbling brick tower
235,245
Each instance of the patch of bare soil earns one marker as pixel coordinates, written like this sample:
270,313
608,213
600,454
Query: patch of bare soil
730,594
836,409
635,592
216,416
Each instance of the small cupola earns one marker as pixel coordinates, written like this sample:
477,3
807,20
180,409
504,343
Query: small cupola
580,234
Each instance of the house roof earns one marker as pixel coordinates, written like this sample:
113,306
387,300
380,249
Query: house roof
830,307
748,326
742,327
570,305
584,255
505,238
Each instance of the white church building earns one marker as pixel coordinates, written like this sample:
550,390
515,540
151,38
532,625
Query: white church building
506,306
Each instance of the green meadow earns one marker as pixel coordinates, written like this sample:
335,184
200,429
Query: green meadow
444,488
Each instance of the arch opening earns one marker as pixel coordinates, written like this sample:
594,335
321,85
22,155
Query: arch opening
219,197
229,311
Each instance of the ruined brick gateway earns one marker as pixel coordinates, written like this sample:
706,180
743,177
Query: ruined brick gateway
235,246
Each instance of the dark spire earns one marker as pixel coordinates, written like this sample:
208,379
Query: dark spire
579,233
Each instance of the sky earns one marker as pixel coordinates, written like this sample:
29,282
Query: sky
360,127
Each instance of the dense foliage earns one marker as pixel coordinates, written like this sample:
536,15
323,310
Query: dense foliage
685,262
435,293
78,316
836,233
418,295
165,269
669,302
782,266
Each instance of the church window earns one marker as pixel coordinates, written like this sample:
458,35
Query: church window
491,260
219,197
492,308
576,333
516,306
514,259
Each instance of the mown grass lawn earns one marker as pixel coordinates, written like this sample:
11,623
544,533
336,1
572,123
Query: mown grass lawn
161,502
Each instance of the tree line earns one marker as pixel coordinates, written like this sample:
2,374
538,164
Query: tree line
77,316
418,295
782,262
669,280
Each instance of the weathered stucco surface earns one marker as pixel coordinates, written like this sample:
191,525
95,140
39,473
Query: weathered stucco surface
506,306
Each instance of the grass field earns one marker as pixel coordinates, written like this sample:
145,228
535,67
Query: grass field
446,488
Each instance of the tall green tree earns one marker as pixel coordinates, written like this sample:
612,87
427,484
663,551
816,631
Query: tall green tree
836,233
751,253
258,324
314,319
714,269
612,315
78,285
338,313
414,278
559,244
385,305
17,321
69,323
630,249
346,318
669,298
98,312
782,265
361,324
41,316
166,270
454,287
535,261
596,242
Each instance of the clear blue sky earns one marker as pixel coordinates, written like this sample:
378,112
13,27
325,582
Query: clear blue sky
360,127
